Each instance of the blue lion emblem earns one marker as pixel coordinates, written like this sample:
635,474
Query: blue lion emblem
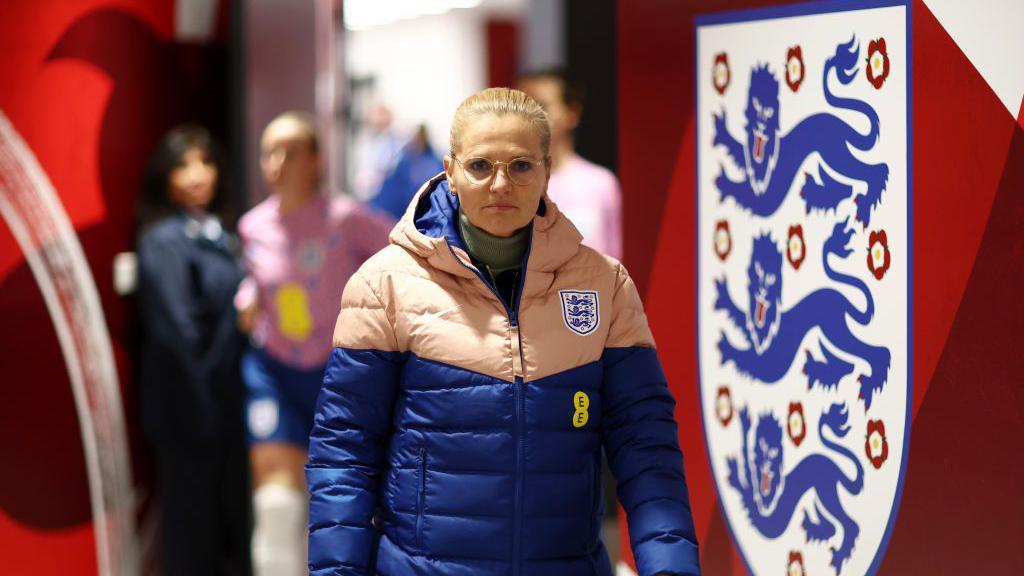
770,161
580,311
774,336
771,497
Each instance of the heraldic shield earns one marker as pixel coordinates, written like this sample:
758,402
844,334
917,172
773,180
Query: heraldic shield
804,262
580,310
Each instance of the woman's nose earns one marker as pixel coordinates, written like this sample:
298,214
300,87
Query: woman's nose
196,172
501,182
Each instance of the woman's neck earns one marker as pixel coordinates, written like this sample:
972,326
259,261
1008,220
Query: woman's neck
497,253
195,213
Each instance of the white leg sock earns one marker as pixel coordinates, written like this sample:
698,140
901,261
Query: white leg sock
279,533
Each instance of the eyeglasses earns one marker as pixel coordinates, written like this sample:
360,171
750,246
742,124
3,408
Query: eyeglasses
520,171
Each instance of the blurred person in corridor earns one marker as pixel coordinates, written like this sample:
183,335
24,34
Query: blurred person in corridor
416,163
377,151
190,388
300,247
587,193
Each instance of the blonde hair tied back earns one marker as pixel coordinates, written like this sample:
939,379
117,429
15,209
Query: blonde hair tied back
500,102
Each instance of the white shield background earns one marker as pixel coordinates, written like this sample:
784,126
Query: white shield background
766,37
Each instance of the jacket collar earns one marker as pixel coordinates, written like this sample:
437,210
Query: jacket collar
429,229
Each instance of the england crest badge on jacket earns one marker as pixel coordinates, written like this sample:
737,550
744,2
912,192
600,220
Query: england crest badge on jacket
580,310
804,262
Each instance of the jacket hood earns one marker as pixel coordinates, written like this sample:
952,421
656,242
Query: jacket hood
429,229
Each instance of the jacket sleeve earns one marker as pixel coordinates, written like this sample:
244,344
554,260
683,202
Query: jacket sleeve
350,433
640,439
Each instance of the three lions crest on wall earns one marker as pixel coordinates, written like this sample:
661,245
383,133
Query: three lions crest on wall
804,256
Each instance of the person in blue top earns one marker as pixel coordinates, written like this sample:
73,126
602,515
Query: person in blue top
189,383
417,162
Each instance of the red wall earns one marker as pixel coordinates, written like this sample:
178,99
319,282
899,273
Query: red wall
962,508
90,86
502,52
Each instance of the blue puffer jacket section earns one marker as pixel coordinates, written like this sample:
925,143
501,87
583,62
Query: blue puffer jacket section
417,467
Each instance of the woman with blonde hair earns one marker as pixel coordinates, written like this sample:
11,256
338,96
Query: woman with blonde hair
481,362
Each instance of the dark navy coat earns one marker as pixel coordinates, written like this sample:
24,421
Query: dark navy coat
189,382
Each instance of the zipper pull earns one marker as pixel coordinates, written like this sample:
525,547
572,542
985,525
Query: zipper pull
517,352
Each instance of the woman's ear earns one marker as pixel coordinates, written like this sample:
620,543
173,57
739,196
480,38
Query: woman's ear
449,171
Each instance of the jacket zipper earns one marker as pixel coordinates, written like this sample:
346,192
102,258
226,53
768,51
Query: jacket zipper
518,393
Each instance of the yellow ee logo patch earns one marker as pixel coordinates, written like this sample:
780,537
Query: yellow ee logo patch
293,317
581,402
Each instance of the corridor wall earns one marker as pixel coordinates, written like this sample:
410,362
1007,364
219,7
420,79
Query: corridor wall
86,90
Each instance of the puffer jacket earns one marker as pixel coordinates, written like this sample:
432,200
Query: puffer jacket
456,436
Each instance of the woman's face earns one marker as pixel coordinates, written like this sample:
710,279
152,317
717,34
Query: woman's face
497,205
192,183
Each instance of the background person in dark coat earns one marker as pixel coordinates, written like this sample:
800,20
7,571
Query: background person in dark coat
190,387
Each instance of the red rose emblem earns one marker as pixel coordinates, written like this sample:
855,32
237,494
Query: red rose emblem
876,445
720,72
723,405
794,68
795,567
723,240
878,254
795,423
796,249
878,63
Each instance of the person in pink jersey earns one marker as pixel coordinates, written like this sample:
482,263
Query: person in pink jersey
300,247
587,193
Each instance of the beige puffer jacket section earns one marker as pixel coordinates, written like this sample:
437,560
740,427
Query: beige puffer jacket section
422,296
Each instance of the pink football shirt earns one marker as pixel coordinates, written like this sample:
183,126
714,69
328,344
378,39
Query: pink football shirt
298,264
590,196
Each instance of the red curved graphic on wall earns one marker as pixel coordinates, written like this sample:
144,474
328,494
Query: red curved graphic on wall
29,207
88,87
